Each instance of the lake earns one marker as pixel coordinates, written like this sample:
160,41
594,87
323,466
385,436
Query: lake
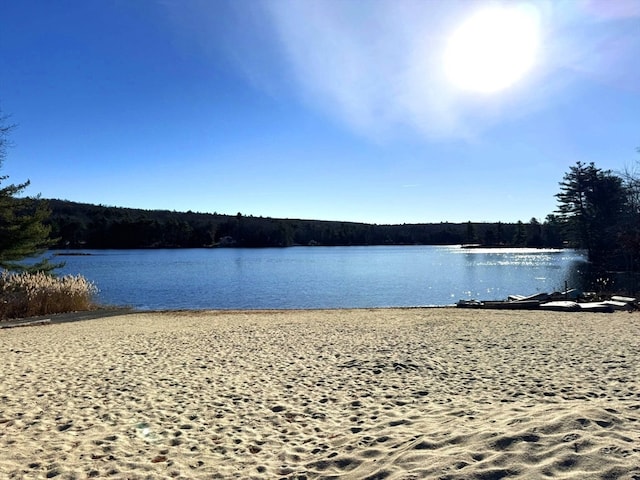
319,277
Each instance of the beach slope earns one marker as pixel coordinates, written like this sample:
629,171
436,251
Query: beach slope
350,394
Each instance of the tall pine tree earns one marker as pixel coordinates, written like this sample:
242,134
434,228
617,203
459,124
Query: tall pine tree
590,205
23,233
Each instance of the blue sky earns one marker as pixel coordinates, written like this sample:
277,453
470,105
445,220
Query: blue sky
333,109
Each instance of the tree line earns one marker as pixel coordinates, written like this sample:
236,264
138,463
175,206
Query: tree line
78,225
598,211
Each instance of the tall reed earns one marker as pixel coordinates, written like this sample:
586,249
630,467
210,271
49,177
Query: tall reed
30,294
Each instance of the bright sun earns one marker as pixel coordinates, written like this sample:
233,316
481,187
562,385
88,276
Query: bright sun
492,50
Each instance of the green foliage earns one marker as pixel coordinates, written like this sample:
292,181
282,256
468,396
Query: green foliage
552,232
591,203
23,232
471,234
534,234
78,225
520,237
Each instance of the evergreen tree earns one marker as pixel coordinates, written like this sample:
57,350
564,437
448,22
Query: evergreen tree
551,232
471,234
520,237
23,233
500,234
489,237
534,233
590,204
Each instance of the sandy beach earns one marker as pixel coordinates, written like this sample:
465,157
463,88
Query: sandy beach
349,394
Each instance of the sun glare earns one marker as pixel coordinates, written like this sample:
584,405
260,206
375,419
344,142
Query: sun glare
493,49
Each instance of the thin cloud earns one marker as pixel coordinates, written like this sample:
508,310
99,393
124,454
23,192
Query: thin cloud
377,66
609,44
607,10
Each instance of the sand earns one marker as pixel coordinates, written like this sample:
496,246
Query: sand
349,394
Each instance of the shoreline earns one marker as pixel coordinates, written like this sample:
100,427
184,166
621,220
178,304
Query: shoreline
362,393
106,312
55,318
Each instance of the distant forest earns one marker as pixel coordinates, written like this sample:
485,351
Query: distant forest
78,225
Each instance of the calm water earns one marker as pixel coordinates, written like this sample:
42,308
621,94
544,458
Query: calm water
319,277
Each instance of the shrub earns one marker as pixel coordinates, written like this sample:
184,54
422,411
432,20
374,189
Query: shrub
30,294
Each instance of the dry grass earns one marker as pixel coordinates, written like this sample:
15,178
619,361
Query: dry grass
31,294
